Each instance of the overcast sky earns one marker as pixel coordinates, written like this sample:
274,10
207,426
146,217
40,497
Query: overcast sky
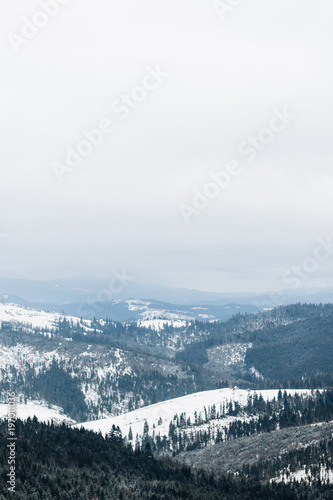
122,206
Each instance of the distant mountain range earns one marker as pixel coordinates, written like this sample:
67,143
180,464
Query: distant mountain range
149,314
115,298
78,290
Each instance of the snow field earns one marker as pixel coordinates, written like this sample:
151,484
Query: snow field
39,409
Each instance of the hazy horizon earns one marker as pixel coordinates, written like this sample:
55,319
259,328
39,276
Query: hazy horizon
151,285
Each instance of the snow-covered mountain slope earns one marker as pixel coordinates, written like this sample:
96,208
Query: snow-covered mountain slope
111,380
32,318
148,316
98,370
155,319
129,309
39,409
21,358
158,416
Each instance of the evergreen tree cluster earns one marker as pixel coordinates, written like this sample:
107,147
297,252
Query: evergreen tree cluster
316,460
284,412
69,464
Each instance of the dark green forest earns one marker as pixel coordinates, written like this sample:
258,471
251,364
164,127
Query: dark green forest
301,349
290,342
70,464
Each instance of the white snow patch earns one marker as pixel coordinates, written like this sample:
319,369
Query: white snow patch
34,318
39,409
159,324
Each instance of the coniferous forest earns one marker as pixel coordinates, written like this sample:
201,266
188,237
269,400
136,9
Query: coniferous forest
70,464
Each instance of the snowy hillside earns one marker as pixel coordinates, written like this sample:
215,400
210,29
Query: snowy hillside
21,358
155,319
96,369
127,309
32,318
158,416
44,412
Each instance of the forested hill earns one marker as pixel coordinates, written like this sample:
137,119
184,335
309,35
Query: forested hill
290,342
70,464
299,350
107,368
247,327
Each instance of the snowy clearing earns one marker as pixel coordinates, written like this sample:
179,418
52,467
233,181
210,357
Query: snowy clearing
44,412
33,318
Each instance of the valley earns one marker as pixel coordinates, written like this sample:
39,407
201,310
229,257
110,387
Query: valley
199,392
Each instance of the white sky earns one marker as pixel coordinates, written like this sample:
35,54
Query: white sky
120,207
